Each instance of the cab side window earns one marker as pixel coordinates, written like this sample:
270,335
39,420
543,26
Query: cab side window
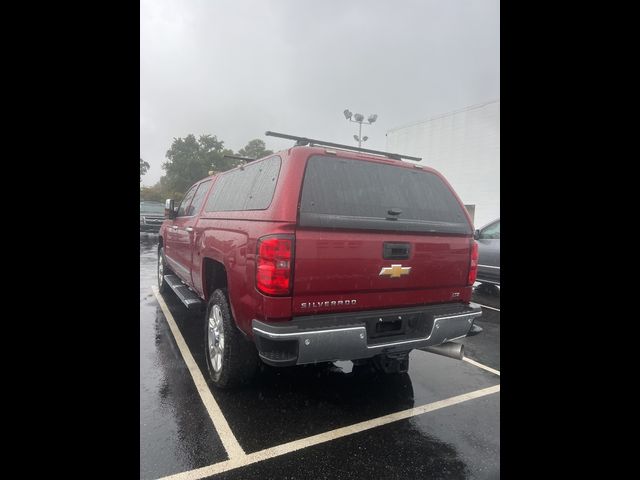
186,202
198,198
491,232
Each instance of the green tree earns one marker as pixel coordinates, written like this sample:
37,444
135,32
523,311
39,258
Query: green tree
152,194
256,148
160,192
190,159
144,167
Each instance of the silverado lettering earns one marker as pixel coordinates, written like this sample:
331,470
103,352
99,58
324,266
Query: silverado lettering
333,303
249,246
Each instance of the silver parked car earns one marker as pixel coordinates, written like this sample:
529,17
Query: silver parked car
488,238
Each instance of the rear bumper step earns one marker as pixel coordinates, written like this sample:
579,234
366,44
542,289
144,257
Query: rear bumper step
186,296
350,336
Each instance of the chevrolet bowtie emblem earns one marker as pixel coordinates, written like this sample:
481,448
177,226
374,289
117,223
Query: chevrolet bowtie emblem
395,271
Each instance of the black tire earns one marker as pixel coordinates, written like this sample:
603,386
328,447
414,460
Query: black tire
237,360
488,289
163,286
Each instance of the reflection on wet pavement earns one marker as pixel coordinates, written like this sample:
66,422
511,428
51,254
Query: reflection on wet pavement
176,433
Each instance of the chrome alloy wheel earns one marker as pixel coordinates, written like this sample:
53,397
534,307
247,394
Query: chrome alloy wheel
215,338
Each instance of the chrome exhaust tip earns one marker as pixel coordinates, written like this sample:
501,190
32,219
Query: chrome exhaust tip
448,349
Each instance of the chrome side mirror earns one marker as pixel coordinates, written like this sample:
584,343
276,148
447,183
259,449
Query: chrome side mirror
169,209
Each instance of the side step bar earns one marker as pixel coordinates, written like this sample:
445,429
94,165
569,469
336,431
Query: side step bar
189,298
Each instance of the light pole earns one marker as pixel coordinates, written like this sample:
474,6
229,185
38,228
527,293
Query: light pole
359,119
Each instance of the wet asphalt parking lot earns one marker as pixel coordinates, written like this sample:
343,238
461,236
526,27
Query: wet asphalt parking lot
439,420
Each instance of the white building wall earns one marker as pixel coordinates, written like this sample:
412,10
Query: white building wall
465,147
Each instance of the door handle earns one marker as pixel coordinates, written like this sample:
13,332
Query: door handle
189,229
174,227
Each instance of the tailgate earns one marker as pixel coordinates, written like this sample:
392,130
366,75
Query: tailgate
376,235
332,269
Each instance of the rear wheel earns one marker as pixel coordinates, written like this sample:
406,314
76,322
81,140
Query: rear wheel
232,360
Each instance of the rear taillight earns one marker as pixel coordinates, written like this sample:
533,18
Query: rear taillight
273,265
473,267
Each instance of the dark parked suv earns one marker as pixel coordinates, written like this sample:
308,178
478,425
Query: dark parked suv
151,216
319,253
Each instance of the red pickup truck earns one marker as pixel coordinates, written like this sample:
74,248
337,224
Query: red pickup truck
317,254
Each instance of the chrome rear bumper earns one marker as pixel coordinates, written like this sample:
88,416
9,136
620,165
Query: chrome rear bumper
352,336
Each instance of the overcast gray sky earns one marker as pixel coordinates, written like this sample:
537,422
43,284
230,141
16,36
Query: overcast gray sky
236,68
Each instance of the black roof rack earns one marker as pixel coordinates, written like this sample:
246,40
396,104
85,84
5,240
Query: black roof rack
236,157
301,141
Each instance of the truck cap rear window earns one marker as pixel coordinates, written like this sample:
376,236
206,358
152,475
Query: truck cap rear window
356,194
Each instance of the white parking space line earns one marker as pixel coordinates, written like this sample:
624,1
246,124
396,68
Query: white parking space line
289,447
487,306
478,364
227,437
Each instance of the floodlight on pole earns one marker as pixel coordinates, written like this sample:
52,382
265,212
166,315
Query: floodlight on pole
359,119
